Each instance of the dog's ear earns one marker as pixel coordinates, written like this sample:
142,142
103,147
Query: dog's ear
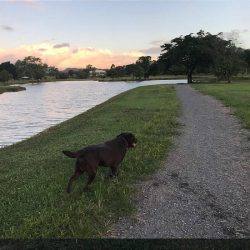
122,134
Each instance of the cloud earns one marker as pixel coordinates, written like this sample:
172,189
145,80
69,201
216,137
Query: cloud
7,28
67,57
157,42
155,50
152,50
42,49
234,35
61,45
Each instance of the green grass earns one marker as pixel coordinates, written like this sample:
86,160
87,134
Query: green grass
10,89
233,95
34,173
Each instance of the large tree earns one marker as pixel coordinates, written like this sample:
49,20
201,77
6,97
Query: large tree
189,51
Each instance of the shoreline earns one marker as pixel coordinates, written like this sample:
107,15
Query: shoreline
196,79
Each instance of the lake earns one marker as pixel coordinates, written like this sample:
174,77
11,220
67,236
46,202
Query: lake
26,113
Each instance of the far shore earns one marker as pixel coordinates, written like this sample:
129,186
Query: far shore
100,79
197,78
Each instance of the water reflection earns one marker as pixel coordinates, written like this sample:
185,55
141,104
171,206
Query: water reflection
25,113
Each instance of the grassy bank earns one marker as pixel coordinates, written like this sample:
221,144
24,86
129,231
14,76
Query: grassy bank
10,89
234,95
205,78
34,173
130,78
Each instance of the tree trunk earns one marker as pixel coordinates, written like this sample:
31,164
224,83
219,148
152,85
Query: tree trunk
189,78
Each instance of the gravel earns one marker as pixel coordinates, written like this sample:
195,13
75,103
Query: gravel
202,191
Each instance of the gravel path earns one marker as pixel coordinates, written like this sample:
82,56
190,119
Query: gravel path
203,189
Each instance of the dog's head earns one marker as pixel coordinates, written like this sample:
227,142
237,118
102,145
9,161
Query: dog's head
130,139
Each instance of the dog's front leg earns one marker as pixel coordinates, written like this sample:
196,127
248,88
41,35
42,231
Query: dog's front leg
114,170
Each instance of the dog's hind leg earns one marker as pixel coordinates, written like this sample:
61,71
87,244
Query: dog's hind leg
73,178
91,177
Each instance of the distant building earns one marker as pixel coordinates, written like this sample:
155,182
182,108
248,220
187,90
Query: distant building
97,72
25,77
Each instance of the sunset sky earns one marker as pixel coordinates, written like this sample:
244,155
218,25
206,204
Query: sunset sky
76,33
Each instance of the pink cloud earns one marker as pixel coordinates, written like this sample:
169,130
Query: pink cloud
65,56
29,3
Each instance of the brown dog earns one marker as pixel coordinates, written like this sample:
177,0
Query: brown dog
109,154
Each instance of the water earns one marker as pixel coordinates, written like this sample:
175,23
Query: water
26,113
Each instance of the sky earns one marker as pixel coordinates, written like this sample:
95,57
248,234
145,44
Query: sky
101,33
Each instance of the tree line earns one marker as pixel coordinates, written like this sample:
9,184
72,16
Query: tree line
193,53
34,69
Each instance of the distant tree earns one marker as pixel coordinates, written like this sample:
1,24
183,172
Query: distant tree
247,59
120,71
90,67
52,71
82,74
157,68
4,75
10,68
32,67
62,75
138,71
112,72
145,62
71,73
227,60
130,70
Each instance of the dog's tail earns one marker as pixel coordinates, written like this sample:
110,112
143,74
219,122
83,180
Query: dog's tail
70,154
